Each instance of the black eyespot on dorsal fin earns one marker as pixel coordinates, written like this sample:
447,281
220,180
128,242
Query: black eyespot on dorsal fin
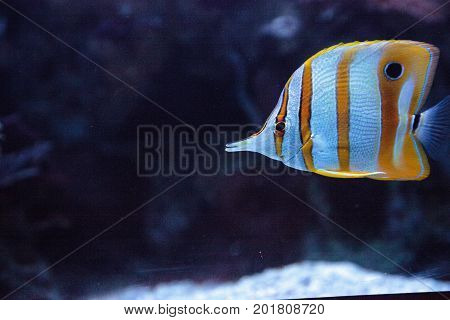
393,70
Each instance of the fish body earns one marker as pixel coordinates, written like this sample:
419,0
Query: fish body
352,111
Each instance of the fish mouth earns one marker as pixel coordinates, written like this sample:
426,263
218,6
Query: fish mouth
237,146
242,145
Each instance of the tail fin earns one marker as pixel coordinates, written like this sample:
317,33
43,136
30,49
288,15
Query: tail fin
433,129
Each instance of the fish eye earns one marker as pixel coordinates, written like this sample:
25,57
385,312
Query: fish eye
393,70
280,126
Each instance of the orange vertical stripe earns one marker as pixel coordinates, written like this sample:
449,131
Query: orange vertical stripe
389,92
343,108
305,115
283,109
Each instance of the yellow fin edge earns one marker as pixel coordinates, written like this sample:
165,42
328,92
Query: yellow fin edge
346,174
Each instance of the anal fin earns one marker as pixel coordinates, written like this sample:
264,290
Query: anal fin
347,174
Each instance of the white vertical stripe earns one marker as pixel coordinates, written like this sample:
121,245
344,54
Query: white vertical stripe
365,109
323,110
293,157
404,103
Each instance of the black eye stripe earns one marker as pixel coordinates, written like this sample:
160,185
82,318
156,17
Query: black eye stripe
280,123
